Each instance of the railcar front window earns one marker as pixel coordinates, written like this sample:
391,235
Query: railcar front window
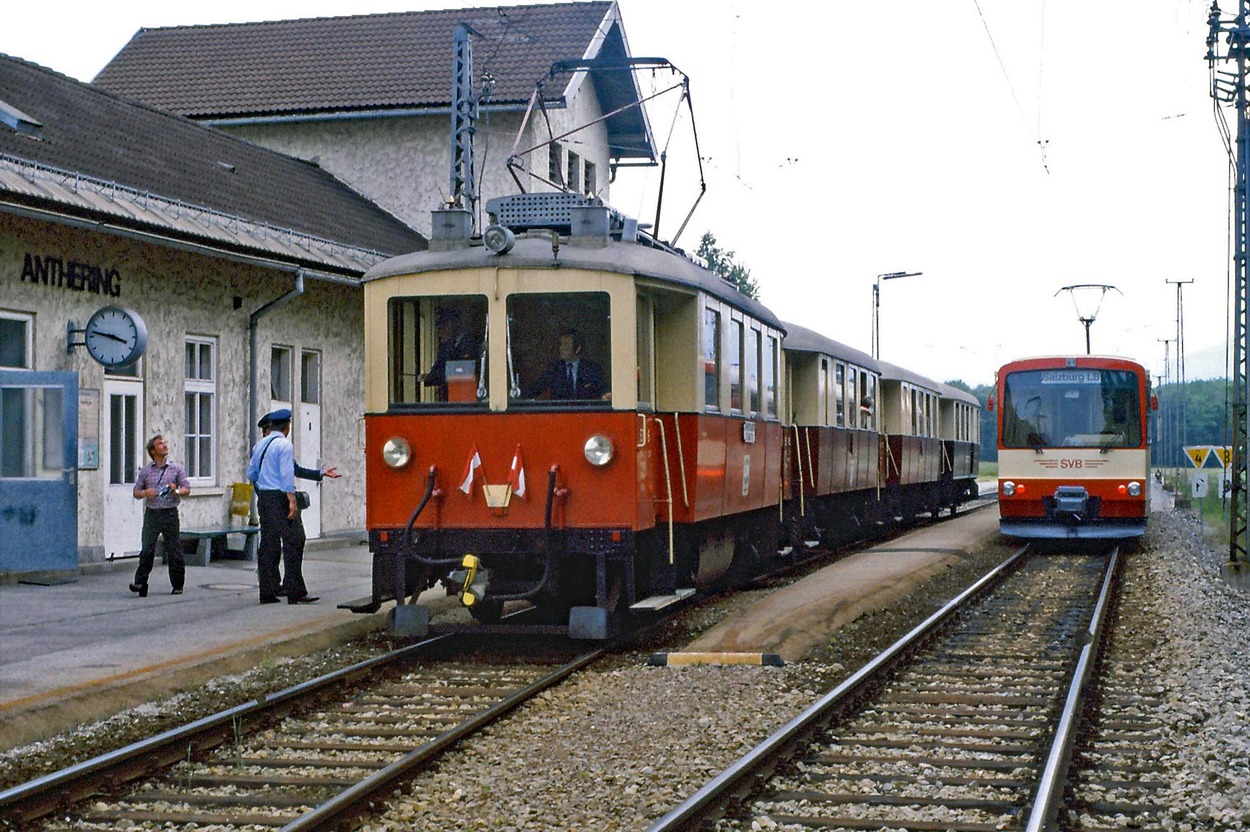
559,348
1081,408
438,350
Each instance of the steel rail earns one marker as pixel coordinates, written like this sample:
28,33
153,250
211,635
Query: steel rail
708,801
1050,792
335,812
47,794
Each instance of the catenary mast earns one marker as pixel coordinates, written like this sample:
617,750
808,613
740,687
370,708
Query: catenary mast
1227,54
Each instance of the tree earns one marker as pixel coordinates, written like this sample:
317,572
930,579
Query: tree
722,262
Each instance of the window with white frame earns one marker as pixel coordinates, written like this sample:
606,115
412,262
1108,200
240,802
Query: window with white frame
200,408
15,339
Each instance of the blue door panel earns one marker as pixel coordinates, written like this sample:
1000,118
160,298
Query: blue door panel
38,471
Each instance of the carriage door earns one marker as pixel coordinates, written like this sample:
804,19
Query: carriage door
38,471
308,438
121,457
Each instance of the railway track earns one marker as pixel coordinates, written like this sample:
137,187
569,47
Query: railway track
967,723
307,758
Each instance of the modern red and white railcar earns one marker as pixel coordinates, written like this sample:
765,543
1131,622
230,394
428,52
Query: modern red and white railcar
1073,447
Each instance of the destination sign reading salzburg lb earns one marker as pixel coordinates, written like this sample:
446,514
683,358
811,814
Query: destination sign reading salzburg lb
1072,377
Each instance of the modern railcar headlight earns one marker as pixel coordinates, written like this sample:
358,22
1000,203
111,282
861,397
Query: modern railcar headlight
599,450
396,452
1009,488
1134,489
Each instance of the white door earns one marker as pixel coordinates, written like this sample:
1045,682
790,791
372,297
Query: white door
307,436
121,457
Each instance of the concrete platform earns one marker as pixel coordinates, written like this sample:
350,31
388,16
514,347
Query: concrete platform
793,620
84,649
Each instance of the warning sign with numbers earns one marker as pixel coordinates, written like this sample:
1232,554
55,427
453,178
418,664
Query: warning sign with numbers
1197,454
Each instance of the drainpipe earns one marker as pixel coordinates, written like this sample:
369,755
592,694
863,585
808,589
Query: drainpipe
253,319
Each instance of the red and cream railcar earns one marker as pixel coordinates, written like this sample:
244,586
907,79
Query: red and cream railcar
1073,447
831,439
491,472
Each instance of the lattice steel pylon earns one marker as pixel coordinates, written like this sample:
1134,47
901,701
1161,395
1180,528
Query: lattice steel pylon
462,190
1227,45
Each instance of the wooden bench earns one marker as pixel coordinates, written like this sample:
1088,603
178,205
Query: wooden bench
206,542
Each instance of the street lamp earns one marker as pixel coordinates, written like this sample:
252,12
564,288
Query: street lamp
876,307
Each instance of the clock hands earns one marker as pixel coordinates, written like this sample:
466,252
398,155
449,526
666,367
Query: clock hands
117,338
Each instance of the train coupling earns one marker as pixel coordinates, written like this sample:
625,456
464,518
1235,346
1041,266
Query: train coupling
1072,501
472,579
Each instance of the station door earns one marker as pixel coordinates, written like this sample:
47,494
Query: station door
38,471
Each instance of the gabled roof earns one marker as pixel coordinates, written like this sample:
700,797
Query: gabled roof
377,64
86,154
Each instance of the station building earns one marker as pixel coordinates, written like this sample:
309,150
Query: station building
233,213
240,265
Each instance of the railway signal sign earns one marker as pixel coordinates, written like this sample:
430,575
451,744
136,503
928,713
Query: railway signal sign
1198,454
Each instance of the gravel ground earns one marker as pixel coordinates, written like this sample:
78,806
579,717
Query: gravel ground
616,748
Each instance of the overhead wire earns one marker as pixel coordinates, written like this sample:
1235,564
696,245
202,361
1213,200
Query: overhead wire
1007,77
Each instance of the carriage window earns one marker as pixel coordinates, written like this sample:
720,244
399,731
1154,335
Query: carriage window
559,347
711,359
822,405
736,348
770,377
1071,408
839,392
852,384
438,350
868,402
752,362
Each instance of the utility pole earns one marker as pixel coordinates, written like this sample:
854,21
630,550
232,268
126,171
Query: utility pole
1166,428
462,191
1182,420
1227,55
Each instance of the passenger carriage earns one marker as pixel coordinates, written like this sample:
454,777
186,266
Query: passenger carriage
832,450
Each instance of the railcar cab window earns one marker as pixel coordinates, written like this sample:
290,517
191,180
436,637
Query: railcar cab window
438,350
771,374
1074,408
559,348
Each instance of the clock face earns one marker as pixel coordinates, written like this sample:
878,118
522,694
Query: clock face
116,336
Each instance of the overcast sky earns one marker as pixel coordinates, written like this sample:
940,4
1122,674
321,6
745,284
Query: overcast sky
1004,148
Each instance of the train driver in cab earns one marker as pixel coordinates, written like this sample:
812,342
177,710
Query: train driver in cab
571,376
455,343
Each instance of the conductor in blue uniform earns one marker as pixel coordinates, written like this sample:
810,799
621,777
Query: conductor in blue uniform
272,469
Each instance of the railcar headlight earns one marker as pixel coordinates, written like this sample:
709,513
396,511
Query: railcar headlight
599,450
1009,488
499,239
1134,489
396,452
